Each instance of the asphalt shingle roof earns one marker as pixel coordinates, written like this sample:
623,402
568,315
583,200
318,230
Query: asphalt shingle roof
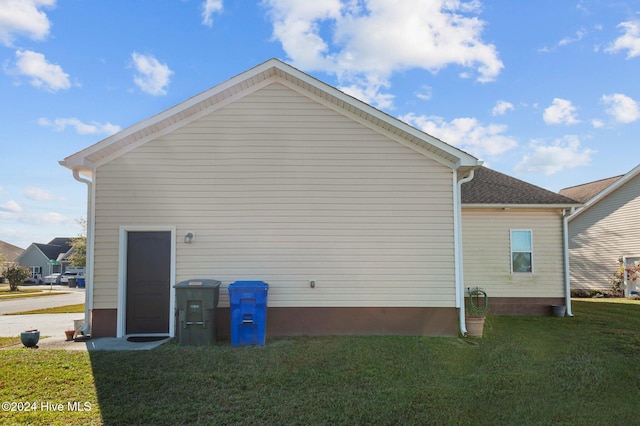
587,191
55,247
491,187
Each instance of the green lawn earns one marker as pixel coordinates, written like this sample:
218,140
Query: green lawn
526,370
67,309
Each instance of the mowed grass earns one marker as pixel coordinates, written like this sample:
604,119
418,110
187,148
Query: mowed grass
526,370
67,309
5,293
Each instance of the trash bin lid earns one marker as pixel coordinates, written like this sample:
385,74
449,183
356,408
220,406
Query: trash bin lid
248,286
197,283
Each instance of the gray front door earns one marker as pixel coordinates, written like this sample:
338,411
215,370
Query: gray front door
148,282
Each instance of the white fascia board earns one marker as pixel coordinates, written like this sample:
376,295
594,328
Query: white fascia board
520,206
79,159
247,82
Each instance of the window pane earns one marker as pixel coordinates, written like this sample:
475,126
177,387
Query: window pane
520,240
521,262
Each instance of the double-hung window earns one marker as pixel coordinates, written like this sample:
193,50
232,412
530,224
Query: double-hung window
521,250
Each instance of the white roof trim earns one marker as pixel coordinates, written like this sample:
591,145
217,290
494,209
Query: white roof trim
247,82
520,206
605,192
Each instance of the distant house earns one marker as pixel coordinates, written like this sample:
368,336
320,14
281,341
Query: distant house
604,230
45,259
353,217
9,251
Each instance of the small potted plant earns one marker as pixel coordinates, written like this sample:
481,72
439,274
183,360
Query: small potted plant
30,338
69,333
477,305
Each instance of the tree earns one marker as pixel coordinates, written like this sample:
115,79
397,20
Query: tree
78,256
16,275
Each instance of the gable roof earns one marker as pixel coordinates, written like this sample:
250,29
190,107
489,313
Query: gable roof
9,251
490,188
606,191
587,191
271,71
54,250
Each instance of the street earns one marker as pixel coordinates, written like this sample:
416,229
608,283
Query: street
48,324
74,296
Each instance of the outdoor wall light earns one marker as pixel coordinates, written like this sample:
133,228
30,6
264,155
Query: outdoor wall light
188,238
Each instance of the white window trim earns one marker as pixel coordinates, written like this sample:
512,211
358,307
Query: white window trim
511,251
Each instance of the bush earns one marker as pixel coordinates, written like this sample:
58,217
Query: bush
16,275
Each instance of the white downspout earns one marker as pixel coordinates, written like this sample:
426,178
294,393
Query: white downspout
567,272
88,295
459,268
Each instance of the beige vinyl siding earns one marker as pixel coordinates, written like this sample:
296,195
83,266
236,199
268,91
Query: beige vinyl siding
278,188
487,254
602,234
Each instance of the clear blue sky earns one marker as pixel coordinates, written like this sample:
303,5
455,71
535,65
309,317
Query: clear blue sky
547,91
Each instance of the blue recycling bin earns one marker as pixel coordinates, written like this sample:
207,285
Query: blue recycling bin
81,282
248,305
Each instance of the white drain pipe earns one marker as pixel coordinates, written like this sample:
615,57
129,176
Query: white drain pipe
459,268
88,295
567,271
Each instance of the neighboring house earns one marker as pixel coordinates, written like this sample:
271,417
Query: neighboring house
45,259
9,252
604,230
276,176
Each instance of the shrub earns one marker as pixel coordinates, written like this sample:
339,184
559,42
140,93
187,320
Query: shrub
16,275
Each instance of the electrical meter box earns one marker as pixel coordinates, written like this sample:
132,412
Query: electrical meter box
196,302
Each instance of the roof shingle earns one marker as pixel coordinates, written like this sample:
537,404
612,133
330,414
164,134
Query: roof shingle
491,187
587,191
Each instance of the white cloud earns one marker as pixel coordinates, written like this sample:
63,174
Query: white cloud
38,194
596,123
466,133
629,41
51,218
152,76
502,107
43,75
209,7
365,42
568,40
91,128
621,107
23,17
10,207
370,92
562,154
561,111
425,93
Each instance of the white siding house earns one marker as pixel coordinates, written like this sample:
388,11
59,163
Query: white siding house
604,230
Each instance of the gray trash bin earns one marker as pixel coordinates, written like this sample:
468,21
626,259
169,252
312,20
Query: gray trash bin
196,301
73,283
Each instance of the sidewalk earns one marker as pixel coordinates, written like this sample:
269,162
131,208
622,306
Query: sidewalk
54,325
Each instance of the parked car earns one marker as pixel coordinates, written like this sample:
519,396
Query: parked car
36,279
64,278
52,279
